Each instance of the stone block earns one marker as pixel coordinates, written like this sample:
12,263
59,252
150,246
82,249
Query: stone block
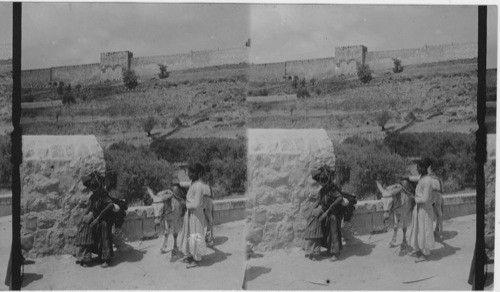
149,228
362,223
30,222
255,235
133,229
260,216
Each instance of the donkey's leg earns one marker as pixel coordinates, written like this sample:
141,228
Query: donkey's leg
175,250
165,242
395,235
405,243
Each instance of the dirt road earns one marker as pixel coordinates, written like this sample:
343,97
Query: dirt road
142,267
372,265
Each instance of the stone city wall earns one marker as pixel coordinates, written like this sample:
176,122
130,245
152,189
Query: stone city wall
267,72
309,69
77,74
36,77
149,66
139,222
382,60
53,197
346,58
281,192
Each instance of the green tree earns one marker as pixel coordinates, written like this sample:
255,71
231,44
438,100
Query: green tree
130,79
149,124
398,68
364,73
163,71
382,118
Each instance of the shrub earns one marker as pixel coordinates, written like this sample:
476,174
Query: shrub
176,122
78,87
453,154
313,81
359,166
129,169
303,82
259,92
382,118
364,73
60,88
27,98
149,124
303,92
225,159
295,82
163,71
398,68
5,164
68,99
130,79
68,88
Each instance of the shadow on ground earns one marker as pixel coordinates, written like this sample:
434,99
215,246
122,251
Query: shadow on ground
445,251
448,234
128,254
218,240
253,272
29,278
217,256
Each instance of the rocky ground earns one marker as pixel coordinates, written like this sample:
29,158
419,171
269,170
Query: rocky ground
141,266
372,265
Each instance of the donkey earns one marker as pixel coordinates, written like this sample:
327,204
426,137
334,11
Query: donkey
398,200
169,205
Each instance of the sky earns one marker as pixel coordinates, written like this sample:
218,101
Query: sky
57,34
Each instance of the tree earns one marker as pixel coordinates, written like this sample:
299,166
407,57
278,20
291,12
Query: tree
149,124
364,73
295,81
130,79
303,82
398,68
68,88
382,119
60,88
163,71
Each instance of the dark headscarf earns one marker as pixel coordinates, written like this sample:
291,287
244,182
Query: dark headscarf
324,174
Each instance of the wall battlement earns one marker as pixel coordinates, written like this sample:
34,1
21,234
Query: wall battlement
346,59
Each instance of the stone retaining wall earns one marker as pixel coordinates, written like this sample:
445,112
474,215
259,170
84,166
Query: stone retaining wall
369,215
53,196
5,205
281,192
139,222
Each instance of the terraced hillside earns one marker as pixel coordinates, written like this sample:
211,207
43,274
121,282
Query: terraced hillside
429,97
211,102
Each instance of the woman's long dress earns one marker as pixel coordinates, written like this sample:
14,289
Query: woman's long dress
422,231
103,229
329,229
193,231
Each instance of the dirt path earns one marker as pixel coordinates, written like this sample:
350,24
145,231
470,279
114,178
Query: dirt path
371,265
141,267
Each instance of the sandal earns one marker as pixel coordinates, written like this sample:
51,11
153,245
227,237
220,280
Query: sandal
421,258
187,260
193,264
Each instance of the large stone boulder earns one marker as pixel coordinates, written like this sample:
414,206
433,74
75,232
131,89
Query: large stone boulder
53,196
281,191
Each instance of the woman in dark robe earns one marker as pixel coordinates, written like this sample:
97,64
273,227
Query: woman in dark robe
323,228
95,231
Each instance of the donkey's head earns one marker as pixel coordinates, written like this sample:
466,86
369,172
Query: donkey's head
159,203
